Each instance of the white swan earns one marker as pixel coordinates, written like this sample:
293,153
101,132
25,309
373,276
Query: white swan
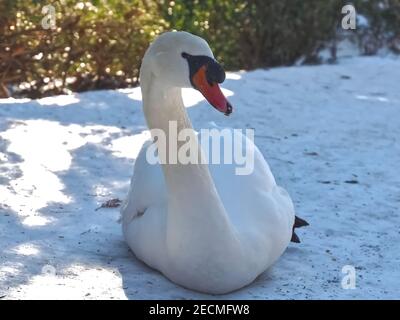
203,227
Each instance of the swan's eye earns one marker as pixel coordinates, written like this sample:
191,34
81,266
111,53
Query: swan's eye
184,55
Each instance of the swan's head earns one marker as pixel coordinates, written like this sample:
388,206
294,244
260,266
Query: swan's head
181,59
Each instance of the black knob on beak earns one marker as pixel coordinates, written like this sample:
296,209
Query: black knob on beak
215,73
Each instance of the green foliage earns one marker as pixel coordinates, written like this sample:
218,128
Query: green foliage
384,25
99,43
250,34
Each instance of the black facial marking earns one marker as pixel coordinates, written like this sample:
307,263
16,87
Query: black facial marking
214,72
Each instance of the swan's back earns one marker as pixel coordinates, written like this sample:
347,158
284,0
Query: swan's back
258,209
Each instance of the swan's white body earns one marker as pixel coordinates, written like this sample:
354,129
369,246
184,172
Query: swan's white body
203,226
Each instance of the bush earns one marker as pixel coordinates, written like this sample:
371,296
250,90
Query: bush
383,28
99,44
259,33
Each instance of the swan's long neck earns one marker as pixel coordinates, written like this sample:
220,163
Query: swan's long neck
195,211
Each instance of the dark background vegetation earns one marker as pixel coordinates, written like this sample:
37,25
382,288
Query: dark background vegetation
98,44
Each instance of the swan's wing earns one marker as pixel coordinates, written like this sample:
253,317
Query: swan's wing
147,187
253,196
240,160
255,193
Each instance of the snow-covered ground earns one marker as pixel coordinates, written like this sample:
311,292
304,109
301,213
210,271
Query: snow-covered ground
330,133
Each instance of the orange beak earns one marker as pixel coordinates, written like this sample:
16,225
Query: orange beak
212,92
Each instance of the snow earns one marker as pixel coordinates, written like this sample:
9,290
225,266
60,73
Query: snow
329,132
362,21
